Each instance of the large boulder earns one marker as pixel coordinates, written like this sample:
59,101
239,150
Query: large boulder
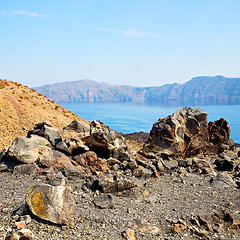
219,132
52,135
58,161
183,132
24,150
75,143
108,143
91,162
77,125
54,204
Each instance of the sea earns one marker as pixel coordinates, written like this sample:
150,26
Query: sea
129,118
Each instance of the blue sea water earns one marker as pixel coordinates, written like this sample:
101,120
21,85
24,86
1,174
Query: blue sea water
128,118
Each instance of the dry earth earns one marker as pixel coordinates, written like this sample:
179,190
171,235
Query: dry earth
21,108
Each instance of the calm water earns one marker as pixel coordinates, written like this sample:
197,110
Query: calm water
128,118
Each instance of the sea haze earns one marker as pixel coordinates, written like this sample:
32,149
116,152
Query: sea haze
128,118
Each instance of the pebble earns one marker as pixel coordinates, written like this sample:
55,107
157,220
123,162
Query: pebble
26,218
129,234
20,225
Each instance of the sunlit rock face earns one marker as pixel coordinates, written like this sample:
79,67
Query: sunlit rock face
183,132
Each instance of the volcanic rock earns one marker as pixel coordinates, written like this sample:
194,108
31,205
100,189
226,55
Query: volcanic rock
52,158
24,150
78,126
54,204
142,172
41,141
104,201
114,184
28,169
129,234
90,161
219,221
75,143
219,132
52,135
224,164
183,132
108,143
23,234
222,180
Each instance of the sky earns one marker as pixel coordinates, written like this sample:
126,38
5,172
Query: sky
130,42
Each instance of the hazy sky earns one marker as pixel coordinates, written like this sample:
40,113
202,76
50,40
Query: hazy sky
134,42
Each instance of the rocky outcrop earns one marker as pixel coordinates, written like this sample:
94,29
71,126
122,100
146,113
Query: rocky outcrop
219,132
183,132
51,134
108,143
80,148
54,204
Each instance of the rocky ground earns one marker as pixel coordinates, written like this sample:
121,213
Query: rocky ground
151,210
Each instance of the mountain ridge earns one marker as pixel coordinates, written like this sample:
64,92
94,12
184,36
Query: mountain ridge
202,90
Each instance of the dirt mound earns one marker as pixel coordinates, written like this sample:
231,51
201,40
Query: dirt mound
21,107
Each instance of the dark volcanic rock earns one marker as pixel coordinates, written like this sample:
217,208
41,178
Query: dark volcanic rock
137,136
91,162
52,135
219,132
78,126
104,201
114,184
108,143
24,150
183,132
222,180
224,164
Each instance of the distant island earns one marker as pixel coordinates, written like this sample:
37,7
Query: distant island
203,90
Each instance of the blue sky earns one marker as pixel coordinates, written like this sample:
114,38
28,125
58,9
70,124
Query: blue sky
133,42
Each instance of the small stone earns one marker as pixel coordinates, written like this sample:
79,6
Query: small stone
20,225
22,210
222,180
104,201
128,210
230,204
3,167
14,236
129,234
26,218
26,234
177,228
5,210
154,230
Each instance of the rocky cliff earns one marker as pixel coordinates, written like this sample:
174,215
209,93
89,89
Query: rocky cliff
198,91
